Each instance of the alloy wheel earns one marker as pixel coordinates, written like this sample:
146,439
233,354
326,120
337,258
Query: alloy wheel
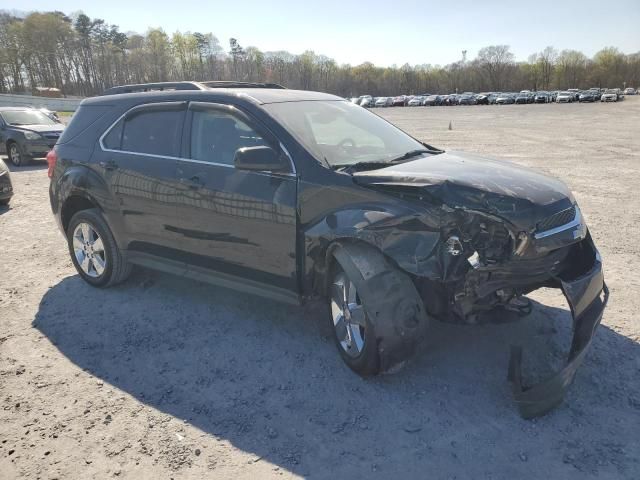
349,318
89,250
14,154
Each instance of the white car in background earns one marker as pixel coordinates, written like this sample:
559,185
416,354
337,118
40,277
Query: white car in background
366,101
384,102
565,97
610,95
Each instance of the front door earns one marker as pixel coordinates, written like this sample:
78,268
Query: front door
238,223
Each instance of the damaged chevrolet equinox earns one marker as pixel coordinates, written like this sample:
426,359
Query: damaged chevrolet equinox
301,195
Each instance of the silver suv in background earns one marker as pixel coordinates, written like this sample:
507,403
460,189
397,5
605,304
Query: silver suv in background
27,133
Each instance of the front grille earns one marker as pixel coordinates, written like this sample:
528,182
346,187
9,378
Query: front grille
557,219
51,135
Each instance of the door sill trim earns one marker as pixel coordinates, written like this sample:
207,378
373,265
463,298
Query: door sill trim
213,277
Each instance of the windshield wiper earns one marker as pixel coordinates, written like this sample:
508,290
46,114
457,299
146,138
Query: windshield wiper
351,167
408,155
373,164
369,164
415,153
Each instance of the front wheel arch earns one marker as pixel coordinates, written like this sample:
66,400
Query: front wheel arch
24,160
391,301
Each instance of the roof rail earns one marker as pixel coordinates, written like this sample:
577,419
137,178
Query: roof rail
234,84
159,86
148,87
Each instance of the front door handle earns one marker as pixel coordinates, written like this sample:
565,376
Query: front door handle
109,165
193,183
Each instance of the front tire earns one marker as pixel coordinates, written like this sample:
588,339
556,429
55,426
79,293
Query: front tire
16,156
94,251
377,314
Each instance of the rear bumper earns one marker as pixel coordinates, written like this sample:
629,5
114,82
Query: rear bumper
587,296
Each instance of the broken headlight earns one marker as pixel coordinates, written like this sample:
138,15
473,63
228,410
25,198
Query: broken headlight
485,240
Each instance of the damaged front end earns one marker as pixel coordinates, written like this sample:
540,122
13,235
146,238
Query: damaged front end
480,243
504,267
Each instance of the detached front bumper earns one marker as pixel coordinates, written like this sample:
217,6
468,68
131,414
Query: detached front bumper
587,294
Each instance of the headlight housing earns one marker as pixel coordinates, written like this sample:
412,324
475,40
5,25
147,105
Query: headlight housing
32,135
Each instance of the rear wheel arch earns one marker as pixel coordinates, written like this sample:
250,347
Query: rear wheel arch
74,204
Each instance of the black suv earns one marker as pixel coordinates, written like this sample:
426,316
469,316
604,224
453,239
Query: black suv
301,195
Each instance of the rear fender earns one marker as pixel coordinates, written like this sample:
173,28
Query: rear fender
82,181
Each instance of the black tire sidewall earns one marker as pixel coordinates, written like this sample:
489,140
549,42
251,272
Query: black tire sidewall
94,219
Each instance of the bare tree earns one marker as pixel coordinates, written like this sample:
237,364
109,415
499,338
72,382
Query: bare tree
495,62
83,56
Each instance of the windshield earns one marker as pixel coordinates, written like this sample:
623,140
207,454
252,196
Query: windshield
342,133
26,117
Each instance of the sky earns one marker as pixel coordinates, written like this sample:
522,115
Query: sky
381,32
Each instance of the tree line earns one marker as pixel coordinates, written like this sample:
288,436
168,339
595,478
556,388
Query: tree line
84,56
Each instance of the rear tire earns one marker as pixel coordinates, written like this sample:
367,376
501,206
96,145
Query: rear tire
388,312
94,251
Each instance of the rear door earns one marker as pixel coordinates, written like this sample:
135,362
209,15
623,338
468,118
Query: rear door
238,223
138,159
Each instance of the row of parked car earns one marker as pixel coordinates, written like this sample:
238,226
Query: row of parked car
497,98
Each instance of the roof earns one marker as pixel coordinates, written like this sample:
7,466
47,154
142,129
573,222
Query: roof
8,109
256,95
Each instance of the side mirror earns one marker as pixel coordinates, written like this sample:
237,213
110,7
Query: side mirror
260,159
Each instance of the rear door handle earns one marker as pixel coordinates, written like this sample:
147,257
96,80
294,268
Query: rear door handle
109,165
193,183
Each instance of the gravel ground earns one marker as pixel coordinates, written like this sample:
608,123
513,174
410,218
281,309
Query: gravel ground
167,378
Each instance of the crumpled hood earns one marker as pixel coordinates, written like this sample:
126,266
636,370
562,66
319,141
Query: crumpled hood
463,180
58,127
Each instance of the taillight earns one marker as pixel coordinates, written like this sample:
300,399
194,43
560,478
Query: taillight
52,158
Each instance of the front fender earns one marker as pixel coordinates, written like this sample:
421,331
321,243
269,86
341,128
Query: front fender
408,237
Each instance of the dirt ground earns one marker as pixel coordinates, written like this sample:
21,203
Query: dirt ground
163,377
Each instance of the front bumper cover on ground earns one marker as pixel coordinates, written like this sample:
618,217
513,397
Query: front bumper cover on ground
587,295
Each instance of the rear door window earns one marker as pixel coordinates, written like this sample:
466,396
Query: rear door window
153,130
